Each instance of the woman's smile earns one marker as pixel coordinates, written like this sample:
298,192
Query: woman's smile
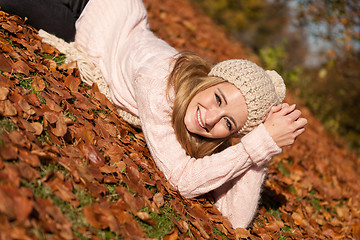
198,120
216,112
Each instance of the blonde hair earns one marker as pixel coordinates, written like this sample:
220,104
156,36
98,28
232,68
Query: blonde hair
189,77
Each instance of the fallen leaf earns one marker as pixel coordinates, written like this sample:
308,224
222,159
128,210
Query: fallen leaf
38,84
7,108
38,127
61,127
173,235
159,199
5,63
25,107
3,92
145,216
21,67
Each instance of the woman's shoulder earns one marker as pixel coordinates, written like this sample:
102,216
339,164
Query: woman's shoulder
102,21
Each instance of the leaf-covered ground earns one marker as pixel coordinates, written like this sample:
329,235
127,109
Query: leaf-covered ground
71,168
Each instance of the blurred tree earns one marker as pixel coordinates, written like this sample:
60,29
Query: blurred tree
279,31
257,23
335,22
334,89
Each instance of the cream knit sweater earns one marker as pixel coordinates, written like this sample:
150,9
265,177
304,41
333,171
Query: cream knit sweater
135,64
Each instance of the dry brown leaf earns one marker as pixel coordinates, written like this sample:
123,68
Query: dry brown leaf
92,153
29,158
38,127
92,215
25,106
272,227
3,93
173,235
61,127
120,165
33,99
182,225
51,116
8,151
72,83
10,27
38,84
27,172
159,199
5,62
26,125
7,108
145,216
19,139
21,67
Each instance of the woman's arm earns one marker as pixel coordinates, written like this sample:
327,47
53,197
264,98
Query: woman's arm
192,176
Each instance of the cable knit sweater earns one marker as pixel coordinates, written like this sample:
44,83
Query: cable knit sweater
135,64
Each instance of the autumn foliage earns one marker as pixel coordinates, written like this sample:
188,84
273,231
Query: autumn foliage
71,168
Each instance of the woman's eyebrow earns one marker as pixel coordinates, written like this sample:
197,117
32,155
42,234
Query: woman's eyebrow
222,95
233,120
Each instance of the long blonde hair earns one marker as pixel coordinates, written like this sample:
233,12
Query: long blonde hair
189,77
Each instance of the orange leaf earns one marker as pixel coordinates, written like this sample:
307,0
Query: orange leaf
21,67
7,108
61,128
173,235
3,93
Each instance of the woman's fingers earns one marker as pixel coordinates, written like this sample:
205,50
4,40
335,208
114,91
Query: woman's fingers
299,132
300,123
287,109
285,125
295,114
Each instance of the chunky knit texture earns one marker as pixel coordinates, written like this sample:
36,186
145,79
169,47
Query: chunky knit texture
261,89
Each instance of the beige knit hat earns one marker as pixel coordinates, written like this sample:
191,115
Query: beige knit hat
261,89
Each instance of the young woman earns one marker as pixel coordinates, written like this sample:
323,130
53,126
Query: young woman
188,110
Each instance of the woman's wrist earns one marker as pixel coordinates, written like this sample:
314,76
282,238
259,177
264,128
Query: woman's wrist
260,146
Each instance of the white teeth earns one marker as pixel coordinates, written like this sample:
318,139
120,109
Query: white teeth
199,119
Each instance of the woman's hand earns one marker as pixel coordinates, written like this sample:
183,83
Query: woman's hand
284,124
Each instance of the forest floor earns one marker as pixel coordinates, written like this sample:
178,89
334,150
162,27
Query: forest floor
71,168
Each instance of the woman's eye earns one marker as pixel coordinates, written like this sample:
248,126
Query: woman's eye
228,124
218,99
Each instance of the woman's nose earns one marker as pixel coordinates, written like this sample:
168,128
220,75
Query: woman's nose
212,117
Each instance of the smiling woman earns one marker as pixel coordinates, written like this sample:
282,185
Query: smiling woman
216,112
187,109
215,103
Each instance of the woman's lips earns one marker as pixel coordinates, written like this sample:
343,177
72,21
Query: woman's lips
198,120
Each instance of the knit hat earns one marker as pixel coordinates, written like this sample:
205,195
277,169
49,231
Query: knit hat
261,89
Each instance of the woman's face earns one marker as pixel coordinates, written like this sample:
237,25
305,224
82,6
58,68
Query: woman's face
216,112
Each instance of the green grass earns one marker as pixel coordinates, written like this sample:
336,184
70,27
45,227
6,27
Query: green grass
6,124
282,169
100,110
219,233
58,59
44,136
315,201
112,195
73,214
24,81
164,222
70,116
281,234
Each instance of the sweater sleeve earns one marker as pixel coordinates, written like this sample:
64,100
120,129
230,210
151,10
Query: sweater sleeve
194,177
238,199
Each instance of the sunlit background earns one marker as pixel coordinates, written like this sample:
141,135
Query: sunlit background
313,44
